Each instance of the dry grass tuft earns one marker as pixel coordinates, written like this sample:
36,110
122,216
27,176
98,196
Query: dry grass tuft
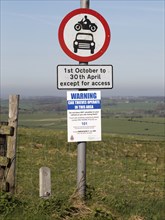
136,217
78,208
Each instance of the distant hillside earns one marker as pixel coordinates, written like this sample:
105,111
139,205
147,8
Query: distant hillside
114,106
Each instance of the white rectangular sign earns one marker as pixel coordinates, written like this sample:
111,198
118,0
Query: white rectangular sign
85,77
84,116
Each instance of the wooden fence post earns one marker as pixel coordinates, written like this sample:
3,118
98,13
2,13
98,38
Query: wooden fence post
3,150
12,141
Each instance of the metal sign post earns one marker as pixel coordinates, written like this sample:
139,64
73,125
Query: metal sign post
81,146
84,3
84,35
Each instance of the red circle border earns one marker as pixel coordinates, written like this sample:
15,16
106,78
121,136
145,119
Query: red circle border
61,35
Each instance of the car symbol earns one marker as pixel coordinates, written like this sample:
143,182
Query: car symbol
84,41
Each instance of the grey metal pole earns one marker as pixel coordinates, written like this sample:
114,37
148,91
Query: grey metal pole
81,146
84,3
81,169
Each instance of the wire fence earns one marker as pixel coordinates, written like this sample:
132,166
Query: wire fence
122,171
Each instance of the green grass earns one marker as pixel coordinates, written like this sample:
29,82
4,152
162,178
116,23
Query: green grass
45,120
139,127
121,126
125,171
123,107
125,178
132,117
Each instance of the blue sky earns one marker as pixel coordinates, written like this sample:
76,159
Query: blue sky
30,50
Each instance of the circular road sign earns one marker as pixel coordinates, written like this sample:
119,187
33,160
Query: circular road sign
84,35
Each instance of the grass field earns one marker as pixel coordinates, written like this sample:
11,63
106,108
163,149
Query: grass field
154,128
140,117
125,178
143,127
125,171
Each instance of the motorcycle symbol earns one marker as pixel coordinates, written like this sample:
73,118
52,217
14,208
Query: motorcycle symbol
85,24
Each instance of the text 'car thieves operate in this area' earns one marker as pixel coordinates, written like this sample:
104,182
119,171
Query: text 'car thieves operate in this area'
86,77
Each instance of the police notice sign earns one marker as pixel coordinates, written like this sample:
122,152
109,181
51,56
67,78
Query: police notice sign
84,116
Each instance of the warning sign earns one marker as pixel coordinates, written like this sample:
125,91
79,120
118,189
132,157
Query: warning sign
84,116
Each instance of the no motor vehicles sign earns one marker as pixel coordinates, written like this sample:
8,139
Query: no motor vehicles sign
84,35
